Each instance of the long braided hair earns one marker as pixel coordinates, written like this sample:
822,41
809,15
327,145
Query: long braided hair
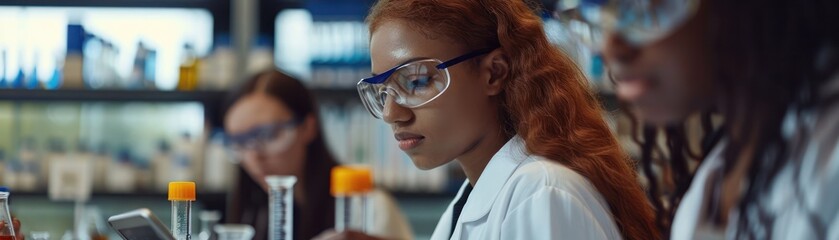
773,58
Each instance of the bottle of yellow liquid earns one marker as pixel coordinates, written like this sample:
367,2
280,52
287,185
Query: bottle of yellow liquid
188,73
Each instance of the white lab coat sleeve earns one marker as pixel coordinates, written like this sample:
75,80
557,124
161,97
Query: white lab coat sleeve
389,221
831,196
551,213
833,229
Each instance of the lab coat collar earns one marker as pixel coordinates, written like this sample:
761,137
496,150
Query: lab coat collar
495,175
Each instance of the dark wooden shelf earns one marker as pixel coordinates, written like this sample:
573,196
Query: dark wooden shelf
111,95
112,3
343,94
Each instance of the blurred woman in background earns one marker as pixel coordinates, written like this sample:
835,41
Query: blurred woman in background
273,127
769,69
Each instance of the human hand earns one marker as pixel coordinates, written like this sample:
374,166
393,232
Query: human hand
16,225
18,233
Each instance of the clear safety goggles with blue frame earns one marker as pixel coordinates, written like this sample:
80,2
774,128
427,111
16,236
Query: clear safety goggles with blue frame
411,84
639,22
271,138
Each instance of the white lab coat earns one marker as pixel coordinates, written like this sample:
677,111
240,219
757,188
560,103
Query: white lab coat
817,196
521,196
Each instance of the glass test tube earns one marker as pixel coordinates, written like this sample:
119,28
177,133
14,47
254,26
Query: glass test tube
182,194
7,230
281,207
350,186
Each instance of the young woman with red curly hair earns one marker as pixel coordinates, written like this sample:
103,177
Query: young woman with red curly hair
477,82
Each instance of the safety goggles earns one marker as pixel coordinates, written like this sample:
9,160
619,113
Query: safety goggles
639,22
410,84
271,138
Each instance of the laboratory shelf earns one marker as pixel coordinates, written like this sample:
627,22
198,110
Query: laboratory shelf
112,3
111,95
212,96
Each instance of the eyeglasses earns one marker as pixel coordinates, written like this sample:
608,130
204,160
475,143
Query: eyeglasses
410,84
640,22
268,138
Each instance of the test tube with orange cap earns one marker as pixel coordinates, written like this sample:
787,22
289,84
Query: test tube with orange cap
182,194
350,186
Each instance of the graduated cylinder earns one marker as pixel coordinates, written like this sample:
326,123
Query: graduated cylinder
281,207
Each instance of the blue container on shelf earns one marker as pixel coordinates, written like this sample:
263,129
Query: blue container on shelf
3,69
32,82
20,79
55,80
75,38
72,73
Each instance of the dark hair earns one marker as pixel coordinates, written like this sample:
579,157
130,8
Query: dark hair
250,200
773,59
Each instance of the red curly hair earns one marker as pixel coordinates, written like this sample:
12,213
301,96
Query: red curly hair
547,100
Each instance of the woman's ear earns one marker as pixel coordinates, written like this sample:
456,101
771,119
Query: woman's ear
497,66
309,128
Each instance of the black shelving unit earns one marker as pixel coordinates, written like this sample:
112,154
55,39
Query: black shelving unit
112,3
213,97
111,95
211,100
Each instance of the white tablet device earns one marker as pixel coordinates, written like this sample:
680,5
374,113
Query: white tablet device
140,224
